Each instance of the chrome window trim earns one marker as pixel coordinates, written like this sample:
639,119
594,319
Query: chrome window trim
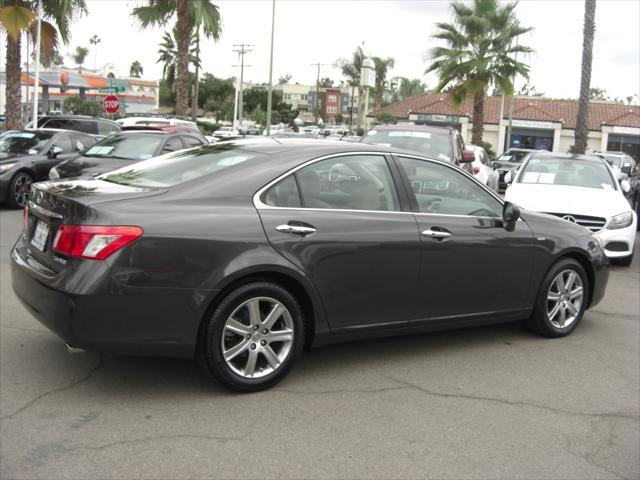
260,205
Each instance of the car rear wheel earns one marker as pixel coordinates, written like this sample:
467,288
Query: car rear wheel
253,337
19,189
562,300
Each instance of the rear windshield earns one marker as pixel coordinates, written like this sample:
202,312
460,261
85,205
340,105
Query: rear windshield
127,147
178,167
513,156
431,144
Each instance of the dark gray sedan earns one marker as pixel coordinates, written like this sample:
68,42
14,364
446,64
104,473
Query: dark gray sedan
242,253
26,156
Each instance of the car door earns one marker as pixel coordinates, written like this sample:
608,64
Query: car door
339,219
470,264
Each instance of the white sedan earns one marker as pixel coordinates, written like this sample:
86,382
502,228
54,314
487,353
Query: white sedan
481,167
579,189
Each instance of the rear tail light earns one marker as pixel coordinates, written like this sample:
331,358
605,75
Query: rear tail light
94,242
476,170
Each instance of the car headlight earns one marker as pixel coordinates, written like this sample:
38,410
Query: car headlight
6,167
54,174
621,220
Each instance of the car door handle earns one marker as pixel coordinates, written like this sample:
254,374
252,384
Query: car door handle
436,234
295,229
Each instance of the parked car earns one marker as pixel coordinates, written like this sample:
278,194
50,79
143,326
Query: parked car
481,168
131,145
225,132
441,143
579,189
248,130
79,123
510,161
26,156
314,129
624,168
242,253
167,121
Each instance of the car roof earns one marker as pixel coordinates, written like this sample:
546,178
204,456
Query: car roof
160,128
75,117
414,128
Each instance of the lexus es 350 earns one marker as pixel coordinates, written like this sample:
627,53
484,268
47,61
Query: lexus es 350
241,254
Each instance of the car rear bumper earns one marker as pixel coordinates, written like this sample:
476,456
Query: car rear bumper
109,317
618,243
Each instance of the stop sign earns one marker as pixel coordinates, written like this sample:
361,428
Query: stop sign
111,104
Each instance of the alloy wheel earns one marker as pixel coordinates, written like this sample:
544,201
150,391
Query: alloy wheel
21,189
564,298
257,337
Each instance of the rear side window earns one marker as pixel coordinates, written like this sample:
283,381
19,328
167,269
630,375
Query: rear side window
84,126
63,141
353,182
173,144
284,194
106,128
190,141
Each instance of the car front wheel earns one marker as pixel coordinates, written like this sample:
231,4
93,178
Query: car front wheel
562,300
19,189
253,337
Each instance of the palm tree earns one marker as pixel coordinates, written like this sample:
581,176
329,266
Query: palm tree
382,65
17,17
581,132
79,56
136,70
167,56
351,70
479,53
190,17
95,40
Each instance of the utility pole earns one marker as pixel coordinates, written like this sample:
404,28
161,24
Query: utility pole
270,93
510,127
315,107
242,49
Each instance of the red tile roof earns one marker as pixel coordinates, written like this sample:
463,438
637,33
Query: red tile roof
524,108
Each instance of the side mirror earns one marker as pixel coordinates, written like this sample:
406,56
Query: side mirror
626,168
508,177
55,151
510,213
468,156
625,186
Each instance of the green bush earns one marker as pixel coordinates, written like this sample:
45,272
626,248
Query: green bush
208,128
360,132
77,106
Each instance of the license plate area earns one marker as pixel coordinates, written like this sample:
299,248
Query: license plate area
40,236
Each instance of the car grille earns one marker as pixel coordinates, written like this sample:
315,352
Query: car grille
594,224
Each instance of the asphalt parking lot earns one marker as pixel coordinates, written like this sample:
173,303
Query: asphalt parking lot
491,402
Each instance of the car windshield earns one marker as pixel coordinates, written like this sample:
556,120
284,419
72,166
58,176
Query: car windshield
24,142
128,147
514,156
613,160
575,173
431,144
178,167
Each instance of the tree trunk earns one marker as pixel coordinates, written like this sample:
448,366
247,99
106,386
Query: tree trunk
581,132
13,104
182,67
478,119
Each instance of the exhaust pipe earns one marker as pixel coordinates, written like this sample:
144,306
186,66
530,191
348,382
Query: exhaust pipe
71,349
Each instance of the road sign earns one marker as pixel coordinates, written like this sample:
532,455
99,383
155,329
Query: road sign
114,89
111,104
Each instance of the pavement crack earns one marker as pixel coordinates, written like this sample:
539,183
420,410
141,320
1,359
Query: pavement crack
152,438
68,386
405,385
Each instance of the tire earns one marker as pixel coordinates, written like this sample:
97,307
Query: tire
19,188
623,261
255,360
566,318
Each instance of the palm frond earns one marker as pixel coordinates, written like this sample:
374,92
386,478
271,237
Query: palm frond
14,19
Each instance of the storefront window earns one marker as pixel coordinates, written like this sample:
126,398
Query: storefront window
625,143
531,138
